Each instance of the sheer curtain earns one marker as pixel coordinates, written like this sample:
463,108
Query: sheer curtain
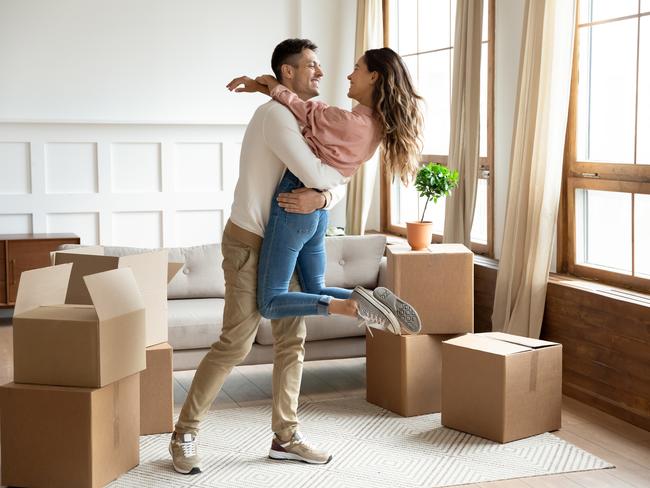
370,35
535,166
465,117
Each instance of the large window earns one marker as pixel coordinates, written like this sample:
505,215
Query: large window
422,32
608,158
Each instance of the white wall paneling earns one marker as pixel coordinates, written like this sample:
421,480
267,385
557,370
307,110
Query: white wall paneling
119,184
135,167
15,223
85,225
15,168
70,167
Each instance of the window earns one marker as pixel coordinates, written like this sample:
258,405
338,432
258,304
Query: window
608,153
422,32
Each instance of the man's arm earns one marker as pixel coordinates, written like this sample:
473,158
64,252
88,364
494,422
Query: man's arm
282,135
306,200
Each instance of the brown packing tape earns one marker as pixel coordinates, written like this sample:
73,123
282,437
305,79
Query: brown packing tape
534,362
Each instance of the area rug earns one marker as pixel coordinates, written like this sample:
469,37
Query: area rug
371,446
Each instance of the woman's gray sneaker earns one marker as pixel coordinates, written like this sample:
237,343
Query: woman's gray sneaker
373,312
405,313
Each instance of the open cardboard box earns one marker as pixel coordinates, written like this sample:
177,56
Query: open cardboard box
78,345
152,272
501,386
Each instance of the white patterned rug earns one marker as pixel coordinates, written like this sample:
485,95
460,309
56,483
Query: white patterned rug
371,446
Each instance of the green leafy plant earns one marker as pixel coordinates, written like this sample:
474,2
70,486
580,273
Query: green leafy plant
434,181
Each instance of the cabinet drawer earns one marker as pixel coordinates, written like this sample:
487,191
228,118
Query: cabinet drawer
26,255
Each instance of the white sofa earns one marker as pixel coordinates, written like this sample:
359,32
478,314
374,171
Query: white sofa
195,301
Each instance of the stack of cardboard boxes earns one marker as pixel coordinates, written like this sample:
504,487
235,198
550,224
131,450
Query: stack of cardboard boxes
84,329
403,372
498,386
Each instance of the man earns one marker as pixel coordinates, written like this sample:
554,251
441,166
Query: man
272,143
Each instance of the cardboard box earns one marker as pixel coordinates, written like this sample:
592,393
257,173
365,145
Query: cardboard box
157,391
403,372
152,273
438,282
77,345
500,386
63,437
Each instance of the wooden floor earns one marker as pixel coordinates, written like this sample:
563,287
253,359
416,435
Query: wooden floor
618,442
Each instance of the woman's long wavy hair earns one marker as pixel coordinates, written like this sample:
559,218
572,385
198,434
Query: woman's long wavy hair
397,105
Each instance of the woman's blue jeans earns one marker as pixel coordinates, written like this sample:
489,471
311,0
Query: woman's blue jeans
294,242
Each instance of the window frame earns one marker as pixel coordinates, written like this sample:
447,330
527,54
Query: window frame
603,176
486,163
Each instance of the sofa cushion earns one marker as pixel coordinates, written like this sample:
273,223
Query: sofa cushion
194,323
319,328
200,277
354,260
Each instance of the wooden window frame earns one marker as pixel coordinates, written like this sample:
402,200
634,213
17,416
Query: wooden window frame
589,175
486,170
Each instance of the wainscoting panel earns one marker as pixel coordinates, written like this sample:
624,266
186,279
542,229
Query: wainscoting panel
145,185
16,174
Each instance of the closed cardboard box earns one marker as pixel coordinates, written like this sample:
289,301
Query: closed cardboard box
403,372
157,392
438,282
61,437
77,345
151,270
500,386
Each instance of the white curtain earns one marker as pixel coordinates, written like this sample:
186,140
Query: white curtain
465,117
370,35
535,166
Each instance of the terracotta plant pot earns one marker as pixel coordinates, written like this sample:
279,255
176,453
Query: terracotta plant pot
419,234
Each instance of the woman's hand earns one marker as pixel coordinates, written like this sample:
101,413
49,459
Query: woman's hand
249,85
268,80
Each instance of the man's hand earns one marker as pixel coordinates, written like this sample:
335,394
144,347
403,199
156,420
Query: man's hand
249,85
269,81
302,200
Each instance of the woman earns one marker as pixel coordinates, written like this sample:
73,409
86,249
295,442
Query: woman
388,114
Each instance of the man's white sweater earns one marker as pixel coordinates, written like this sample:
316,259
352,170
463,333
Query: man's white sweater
272,143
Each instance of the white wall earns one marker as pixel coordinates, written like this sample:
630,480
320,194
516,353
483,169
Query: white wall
331,25
135,61
97,97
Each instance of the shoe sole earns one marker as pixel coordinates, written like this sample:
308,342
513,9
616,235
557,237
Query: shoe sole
406,315
288,456
386,311
194,470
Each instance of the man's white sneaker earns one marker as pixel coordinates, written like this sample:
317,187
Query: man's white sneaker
373,312
182,447
297,449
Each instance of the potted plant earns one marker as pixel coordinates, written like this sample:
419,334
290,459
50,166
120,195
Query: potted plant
432,182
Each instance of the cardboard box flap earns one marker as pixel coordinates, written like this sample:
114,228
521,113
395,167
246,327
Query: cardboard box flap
83,264
485,344
93,250
172,269
114,293
43,286
522,341
149,270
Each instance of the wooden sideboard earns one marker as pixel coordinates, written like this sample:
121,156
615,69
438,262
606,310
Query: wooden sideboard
22,252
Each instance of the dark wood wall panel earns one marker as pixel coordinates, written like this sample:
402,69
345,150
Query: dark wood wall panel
605,339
